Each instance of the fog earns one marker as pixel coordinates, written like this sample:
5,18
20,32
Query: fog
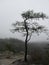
10,11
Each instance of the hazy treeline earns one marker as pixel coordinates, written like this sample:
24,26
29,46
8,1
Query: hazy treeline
18,45
11,44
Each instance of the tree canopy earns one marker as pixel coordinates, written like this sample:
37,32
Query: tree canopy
32,26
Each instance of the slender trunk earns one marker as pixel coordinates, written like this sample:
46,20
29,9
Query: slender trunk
25,57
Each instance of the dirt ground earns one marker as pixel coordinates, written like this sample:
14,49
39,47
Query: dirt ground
5,61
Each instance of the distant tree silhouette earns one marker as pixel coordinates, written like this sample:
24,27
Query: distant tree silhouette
29,26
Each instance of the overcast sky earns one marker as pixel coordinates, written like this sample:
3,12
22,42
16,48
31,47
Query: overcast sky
10,11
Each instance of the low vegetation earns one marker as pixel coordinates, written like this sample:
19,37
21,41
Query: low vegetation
38,53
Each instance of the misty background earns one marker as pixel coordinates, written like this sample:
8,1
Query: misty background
10,12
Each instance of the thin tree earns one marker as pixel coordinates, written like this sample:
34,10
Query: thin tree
29,26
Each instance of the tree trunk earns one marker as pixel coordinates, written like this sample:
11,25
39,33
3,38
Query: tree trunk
25,57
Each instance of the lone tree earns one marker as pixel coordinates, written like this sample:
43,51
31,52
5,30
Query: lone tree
29,26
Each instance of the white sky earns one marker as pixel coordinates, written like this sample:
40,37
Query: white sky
10,11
